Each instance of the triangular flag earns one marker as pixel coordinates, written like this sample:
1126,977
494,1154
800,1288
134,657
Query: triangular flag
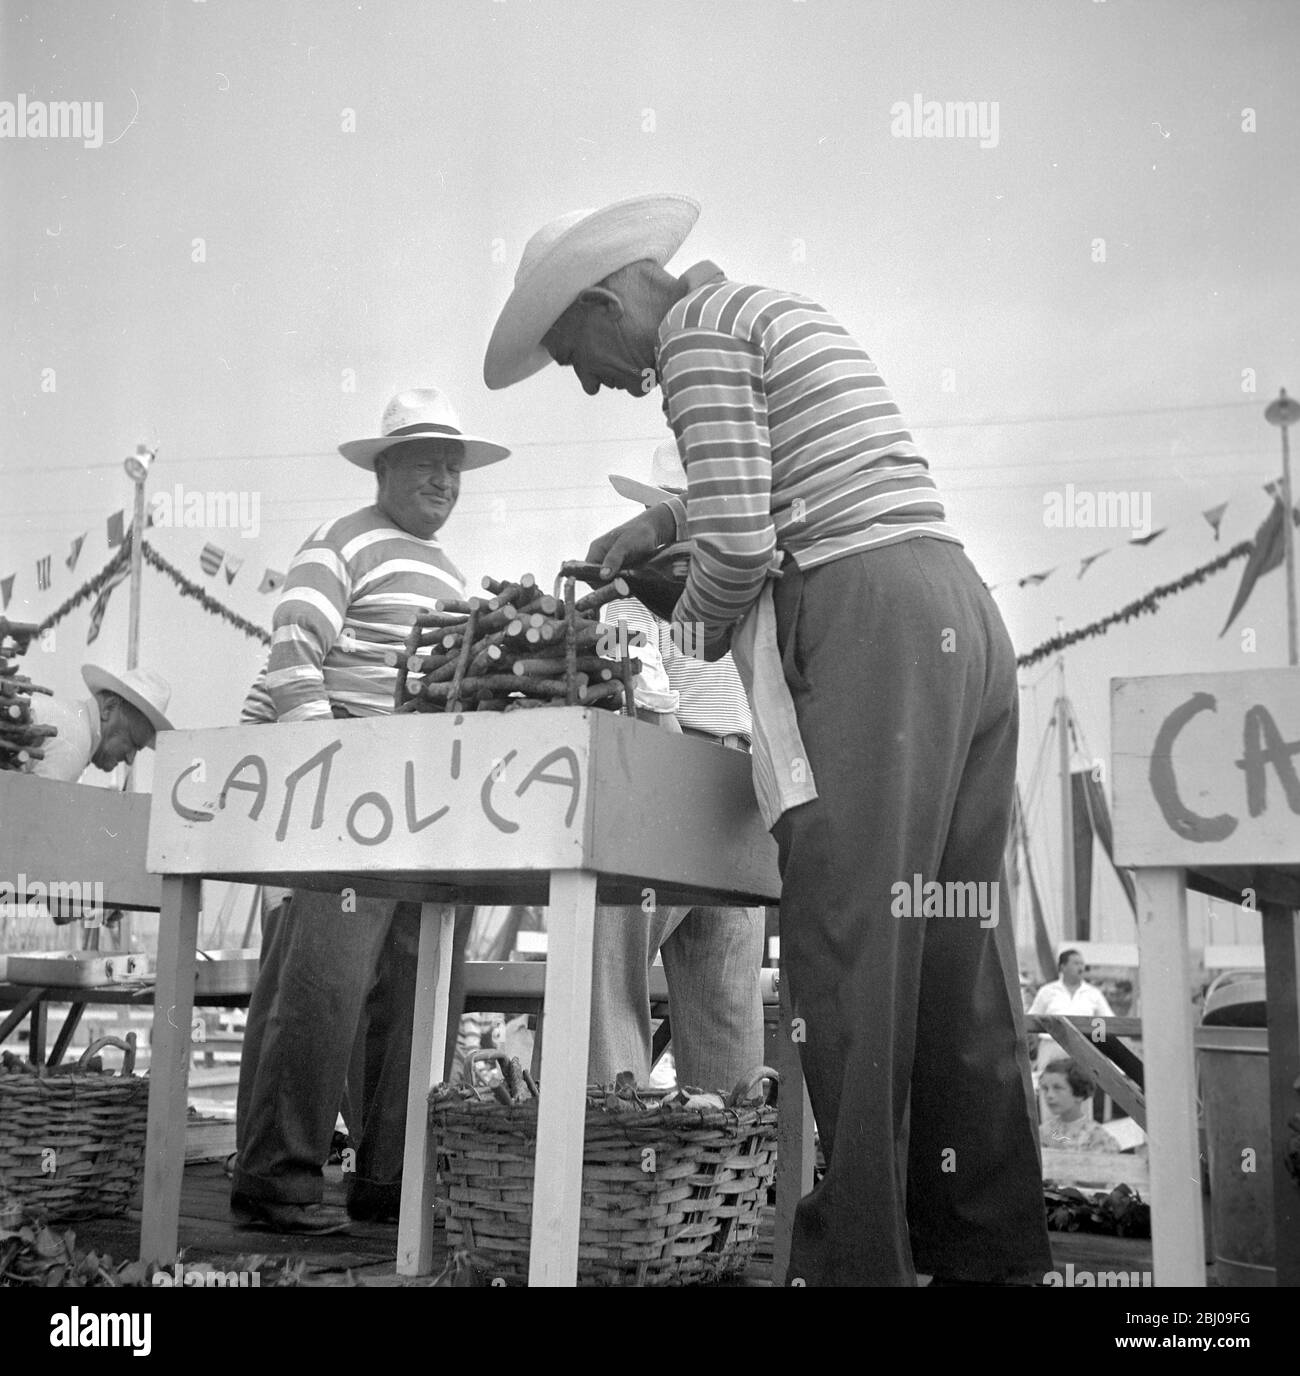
233,565
71,560
119,575
271,580
116,529
1090,559
6,590
1264,557
1146,539
211,559
1034,579
1274,489
43,572
1215,517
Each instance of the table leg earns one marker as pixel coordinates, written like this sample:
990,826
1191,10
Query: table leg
428,1041
169,1067
37,1027
1281,967
796,1149
66,1033
19,1011
1177,1227
562,1111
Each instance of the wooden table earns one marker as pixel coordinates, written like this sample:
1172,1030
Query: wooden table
556,807
1206,772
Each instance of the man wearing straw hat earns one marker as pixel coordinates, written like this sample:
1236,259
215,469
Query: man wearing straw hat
121,717
711,955
883,685
332,967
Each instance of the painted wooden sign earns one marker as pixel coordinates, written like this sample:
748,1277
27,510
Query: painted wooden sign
484,795
1206,768
476,792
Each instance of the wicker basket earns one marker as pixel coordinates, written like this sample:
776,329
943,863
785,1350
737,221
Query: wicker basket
692,1218
92,1122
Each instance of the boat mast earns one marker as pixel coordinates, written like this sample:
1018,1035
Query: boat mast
1069,929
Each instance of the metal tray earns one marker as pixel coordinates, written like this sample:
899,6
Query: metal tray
77,969
227,972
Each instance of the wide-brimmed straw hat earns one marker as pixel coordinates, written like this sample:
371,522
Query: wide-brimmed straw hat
667,477
421,414
567,256
147,692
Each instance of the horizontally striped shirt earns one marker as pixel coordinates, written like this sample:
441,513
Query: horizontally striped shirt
791,442
351,594
710,697
258,708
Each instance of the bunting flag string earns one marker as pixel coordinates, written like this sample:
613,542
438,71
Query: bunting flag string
122,573
90,588
1088,560
209,604
1144,606
1032,580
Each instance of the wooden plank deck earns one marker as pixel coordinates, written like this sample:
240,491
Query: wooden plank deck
367,1254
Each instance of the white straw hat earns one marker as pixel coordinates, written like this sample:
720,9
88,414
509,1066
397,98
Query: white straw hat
667,477
421,414
567,256
146,691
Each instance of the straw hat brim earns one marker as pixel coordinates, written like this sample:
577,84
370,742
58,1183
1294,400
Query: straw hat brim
653,227
100,680
477,453
645,493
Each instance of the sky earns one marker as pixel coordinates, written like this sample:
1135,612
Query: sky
295,210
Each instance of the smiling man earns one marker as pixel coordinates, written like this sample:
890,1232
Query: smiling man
333,969
880,665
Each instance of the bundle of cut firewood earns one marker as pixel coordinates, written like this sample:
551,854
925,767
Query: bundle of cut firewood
21,738
518,647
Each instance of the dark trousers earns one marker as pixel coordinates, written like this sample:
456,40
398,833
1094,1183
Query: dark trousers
328,969
904,683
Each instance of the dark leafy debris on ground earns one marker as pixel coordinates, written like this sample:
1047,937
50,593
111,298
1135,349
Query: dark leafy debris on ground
1121,1213
35,1254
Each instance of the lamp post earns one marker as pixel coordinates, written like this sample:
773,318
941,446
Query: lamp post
137,467
1284,412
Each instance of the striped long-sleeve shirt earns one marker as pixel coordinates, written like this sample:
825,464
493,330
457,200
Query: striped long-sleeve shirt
351,594
710,697
791,442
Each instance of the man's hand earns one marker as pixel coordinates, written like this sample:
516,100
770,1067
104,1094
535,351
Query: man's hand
634,541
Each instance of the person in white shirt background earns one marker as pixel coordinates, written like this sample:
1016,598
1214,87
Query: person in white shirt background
121,717
1069,994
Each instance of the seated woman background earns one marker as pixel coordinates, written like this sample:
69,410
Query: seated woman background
1066,1090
